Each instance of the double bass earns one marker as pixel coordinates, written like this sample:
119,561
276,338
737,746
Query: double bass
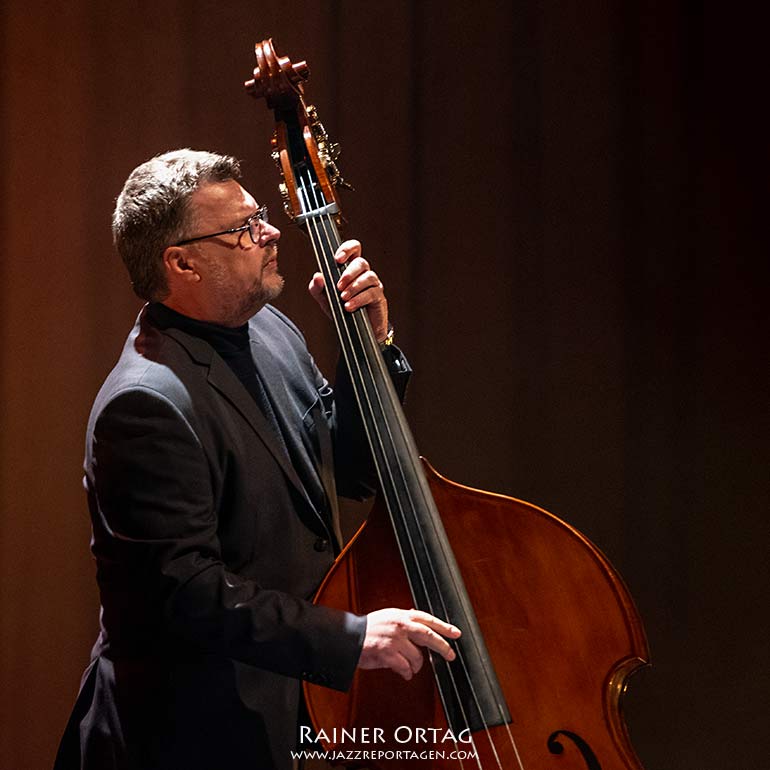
550,631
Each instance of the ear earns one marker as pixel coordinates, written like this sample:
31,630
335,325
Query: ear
180,264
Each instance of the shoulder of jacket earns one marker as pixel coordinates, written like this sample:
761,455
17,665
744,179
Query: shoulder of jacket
272,316
151,378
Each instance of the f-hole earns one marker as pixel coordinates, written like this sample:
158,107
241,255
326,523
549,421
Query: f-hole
555,747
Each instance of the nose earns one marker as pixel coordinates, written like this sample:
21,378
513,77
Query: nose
269,232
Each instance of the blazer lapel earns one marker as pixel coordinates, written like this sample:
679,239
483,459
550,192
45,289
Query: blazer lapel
222,378
275,384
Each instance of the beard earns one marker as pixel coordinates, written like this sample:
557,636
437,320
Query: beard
236,310
268,289
270,284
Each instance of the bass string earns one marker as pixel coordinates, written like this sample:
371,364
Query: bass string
324,255
365,400
331,242
343,322
333,239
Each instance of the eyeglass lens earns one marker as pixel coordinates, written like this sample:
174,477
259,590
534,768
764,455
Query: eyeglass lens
255,223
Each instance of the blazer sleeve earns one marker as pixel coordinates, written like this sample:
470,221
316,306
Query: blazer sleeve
155,539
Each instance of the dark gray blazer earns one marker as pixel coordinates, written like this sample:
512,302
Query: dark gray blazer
208,548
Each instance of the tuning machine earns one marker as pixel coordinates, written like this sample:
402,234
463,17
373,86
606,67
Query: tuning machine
328,151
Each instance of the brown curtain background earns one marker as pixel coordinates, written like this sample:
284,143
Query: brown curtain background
563,200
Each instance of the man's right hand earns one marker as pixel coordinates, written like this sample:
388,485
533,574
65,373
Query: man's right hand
394,637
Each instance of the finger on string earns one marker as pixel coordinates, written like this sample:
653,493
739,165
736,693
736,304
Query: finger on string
444,628
366,280
358,267
347,250
422,635
366,297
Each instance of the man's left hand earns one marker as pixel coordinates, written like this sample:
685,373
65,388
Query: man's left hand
358,286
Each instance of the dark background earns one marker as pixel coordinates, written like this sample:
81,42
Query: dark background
567,204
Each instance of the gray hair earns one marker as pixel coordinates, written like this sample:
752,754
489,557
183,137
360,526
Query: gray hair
152,211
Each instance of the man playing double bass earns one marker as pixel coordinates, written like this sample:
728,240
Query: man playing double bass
215,453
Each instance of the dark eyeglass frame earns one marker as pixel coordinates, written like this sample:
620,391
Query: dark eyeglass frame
252,225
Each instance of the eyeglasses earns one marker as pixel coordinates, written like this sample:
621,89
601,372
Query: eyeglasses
253,225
